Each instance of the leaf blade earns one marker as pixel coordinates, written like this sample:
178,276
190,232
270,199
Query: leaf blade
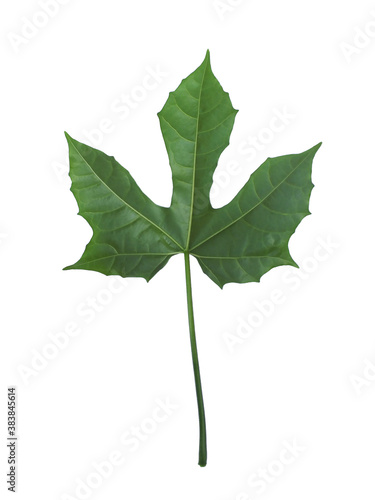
236,243
110,201
196,123
261,232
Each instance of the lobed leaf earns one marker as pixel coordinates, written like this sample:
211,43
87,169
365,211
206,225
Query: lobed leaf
133,236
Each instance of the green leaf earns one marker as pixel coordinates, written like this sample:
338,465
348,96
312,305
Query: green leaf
132,236
246,238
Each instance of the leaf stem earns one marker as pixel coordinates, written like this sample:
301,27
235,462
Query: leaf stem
194,352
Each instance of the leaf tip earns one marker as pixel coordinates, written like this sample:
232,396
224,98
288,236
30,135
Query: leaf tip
71,267
315,148
207,59
293,263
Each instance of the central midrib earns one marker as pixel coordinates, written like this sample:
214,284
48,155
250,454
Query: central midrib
195,163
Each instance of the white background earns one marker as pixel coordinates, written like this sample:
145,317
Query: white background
305,373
